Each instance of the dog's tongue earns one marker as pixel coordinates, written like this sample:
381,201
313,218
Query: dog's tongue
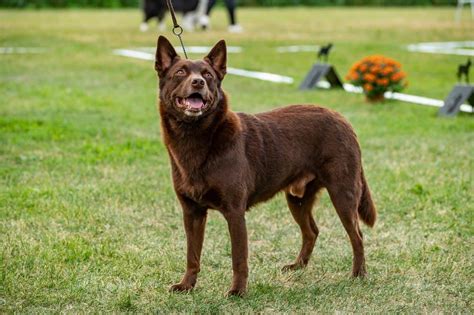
195,102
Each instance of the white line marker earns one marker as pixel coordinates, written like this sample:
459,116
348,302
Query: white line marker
421,100
424,101
297,48
398,96
134,54
450,48
265,76
195,49
235,71
352,88
21,50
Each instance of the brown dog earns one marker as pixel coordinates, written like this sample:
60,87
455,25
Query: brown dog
230,161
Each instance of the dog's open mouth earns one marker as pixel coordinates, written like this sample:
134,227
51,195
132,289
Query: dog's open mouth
192,105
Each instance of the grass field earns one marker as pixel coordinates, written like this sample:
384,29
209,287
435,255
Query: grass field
88,218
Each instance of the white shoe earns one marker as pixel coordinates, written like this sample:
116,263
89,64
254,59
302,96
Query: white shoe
235,28
204,22
143,27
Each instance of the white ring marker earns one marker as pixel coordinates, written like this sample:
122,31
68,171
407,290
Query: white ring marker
21,50
297,48
448,48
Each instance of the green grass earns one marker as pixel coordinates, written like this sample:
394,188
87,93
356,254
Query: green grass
88,218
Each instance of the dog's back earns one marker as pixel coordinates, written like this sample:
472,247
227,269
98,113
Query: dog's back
311,143
285,143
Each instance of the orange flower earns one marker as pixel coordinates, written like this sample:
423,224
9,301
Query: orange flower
352,76
383,82
387,70
377,72
374,69
369,77
355,66
397,76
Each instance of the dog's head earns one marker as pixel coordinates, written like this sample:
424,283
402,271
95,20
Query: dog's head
190,89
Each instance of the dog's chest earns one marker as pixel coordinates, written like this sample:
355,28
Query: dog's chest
199,190
197,186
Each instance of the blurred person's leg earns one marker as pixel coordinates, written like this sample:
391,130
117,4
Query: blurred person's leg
230,4
210,5
233,27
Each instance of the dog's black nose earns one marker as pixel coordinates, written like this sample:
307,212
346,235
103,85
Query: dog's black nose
197,82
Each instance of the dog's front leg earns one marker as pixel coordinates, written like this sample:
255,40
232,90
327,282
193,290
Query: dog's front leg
194,224
238,238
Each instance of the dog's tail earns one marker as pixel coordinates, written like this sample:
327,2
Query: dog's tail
367,211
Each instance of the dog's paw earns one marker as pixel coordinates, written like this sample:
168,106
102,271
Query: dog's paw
360,273
180,287
236,292
292,267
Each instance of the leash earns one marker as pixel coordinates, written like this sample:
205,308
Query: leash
177,29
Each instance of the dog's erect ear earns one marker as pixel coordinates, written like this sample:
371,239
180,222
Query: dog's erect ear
165,56
217,58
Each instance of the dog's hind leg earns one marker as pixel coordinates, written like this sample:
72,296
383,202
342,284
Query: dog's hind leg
345,199
301,207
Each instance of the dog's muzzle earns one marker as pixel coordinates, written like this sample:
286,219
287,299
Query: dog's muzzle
193,105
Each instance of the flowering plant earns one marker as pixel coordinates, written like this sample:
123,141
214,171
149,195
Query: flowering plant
377,74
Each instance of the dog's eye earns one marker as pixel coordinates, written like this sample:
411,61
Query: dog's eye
208,75
180,72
